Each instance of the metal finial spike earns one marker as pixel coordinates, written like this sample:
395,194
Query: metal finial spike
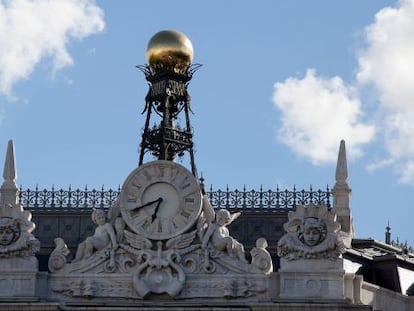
9,172
202,179
388,234
202,186
388,228
341,174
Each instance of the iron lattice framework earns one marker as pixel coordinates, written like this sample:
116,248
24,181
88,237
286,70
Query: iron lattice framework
243,200
167,97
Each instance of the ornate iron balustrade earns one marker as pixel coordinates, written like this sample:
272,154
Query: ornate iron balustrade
246,200
267,200
67,199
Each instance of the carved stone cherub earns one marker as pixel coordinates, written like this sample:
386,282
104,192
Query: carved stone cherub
218,234
104,236
312,233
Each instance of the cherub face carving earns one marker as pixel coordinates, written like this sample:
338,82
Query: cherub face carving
312,232
223,217
9,231
99,217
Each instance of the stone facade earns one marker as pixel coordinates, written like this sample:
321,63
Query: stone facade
203,267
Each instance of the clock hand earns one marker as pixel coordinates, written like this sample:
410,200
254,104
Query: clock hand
154,215
148,203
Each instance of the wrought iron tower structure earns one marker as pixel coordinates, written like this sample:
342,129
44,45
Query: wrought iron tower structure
169,71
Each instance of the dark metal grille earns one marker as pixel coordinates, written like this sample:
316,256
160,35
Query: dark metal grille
247,200
34,199
178,140
267,200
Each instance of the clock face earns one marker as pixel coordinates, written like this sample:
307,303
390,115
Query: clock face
160,200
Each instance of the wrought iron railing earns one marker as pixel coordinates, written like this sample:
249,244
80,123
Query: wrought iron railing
258,200
254,200
77,199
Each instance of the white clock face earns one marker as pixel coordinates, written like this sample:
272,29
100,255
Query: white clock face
160,200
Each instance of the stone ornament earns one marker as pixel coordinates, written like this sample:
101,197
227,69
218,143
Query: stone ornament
16,239
9,231
103,237
159,270
18,264
261,258
58,256
312,233
217,235
161,236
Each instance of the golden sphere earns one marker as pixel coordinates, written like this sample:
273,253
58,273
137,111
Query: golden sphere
171,50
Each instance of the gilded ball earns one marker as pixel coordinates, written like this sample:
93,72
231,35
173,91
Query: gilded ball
169,49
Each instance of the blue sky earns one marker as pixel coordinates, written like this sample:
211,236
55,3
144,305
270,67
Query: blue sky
282,83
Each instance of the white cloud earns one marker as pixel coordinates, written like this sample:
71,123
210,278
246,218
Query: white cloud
387,62
376,165
31,30
317,113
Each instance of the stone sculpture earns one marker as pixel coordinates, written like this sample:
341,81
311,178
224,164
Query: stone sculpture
311,263
104,237
16,226
18,264
163,238
174,266
312,232
16,239
58,256
218,234
261,258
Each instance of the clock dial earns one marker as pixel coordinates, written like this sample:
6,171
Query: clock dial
160,200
